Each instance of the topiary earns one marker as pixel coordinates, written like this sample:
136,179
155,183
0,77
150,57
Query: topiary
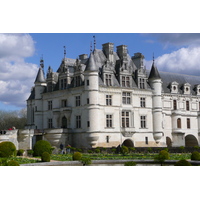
7,149
131,149
12,163
97,150
130,163
45,157
20,152
195,155
183,162
162,156
89,151
40,147
77,156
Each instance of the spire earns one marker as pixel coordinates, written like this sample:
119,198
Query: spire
64,51
154,74
94,42
91,65
40,76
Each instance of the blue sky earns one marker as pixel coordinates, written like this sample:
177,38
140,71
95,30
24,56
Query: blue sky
20,56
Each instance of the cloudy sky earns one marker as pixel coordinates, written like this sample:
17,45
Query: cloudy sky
20,55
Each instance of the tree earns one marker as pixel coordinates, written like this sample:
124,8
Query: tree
8,119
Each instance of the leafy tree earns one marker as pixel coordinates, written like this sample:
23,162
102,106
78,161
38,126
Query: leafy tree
162,156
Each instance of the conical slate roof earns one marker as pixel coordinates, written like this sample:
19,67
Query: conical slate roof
40,76
154,74
91,65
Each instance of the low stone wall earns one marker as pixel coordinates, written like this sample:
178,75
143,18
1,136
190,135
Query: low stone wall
107,163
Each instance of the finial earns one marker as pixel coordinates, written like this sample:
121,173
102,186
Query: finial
153,57
94,42
64,51
90,47
42,62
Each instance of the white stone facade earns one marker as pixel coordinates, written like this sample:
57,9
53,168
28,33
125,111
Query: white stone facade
110,99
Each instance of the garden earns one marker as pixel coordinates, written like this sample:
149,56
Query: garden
42,152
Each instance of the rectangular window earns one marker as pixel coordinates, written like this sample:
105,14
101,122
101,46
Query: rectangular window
61,84
107,139
142,83
174,104
88,123
188,122
143,121
126,98
187,105
88,101
123,81
78,100
146,140
127,81
77,81
108,100
142,102
50,123
78,121
108,121
108,80
64,103
125,119
88,82
50,105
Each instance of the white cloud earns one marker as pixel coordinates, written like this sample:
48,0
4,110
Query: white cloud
184,61
16,76
177,39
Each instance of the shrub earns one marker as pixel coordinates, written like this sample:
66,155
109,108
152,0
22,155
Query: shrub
45,157
182,148
113,150
131,149
30,152
40,147
20,152
86,161
196,147
149,149
124,150
7,149
162,156
183,162
97,150
12,163
79,150
77,156
195,155
130,163
89,151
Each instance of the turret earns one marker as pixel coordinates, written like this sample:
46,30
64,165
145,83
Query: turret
156,84
91,74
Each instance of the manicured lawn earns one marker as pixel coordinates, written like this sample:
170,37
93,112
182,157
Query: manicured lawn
135,156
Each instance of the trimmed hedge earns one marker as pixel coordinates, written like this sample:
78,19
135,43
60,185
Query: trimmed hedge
183,162
7,149
45,157
40,147
77,156
12,163
195,155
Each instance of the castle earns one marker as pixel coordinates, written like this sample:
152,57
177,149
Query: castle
110,99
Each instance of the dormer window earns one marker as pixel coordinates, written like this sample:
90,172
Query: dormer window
77,81
142,83
63,84
186,88
126,81
197,89
174,87
108,78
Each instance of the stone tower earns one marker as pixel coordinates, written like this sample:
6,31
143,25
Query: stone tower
156,84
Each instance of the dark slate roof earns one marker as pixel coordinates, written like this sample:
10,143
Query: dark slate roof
168,77
92,63
154,74
40,76
32,95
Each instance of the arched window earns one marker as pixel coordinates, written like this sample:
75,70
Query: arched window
178,123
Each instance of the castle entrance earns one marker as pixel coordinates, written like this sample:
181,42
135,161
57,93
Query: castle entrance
128,143
191,141
64,122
